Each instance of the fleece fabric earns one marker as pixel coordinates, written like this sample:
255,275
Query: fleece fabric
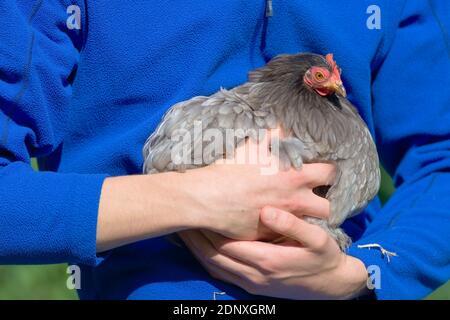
84,82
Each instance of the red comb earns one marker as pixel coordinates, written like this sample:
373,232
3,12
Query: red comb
330,60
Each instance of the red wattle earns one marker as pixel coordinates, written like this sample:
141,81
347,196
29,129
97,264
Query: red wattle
322,91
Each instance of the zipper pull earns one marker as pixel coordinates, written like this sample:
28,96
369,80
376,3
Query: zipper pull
269,9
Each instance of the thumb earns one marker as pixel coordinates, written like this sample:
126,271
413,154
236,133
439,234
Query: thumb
283,223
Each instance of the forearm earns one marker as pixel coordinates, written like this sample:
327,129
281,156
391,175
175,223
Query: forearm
138,207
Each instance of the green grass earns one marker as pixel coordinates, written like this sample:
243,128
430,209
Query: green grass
443,293
49,282
387,187
35,282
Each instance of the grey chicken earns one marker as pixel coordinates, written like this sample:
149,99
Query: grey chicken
304,96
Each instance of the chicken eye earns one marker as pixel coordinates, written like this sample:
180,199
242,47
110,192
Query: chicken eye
319,76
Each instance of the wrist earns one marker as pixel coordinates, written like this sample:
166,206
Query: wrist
138,207
190,198
354,275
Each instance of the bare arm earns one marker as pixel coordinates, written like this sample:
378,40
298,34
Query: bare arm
224,198
133,208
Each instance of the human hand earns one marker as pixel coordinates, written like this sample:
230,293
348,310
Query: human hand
230,196
307,265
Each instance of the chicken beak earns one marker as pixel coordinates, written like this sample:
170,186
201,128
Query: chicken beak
338,88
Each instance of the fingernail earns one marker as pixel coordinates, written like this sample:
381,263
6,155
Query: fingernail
270,214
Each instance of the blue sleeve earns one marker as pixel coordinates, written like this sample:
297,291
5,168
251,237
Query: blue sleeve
45,217
411,107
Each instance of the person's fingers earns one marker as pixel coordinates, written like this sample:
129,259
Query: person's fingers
313,205
249,252
318,174
289,225
215,271
200,246
226,276
208,255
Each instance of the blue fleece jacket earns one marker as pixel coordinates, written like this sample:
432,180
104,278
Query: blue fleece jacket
84,100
